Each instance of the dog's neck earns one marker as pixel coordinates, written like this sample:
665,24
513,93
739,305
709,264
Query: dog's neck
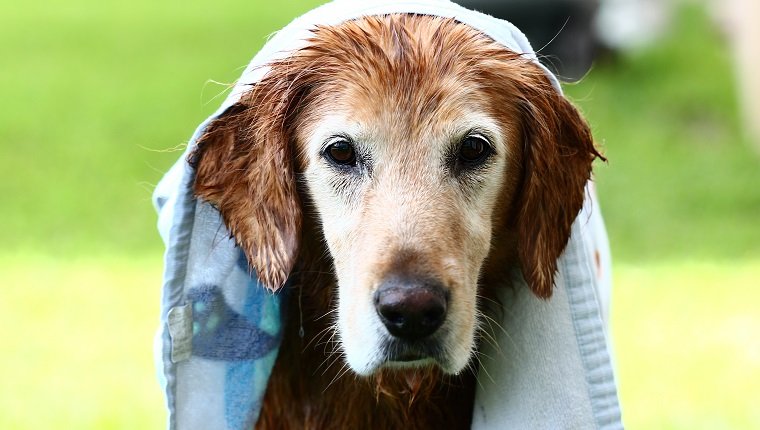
311,386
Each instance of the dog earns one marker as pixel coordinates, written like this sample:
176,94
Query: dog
390,175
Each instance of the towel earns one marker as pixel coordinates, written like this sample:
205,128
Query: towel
220,329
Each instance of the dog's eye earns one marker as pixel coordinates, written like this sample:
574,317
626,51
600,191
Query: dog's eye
341,153
474,150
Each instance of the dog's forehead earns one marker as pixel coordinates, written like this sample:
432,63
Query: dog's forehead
406,85
375,113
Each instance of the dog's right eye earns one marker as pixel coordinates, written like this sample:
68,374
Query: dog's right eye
341,153
474,150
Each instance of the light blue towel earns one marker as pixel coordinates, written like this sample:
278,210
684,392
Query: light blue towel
220,330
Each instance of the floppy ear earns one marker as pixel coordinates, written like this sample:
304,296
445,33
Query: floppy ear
244,167
557,156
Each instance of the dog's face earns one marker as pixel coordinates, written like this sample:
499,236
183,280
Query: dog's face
417,140
406,201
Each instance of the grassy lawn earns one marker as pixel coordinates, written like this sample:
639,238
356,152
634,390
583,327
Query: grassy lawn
686,343
77,337
99,96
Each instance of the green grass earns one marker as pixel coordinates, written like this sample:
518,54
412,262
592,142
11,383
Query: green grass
97,94
77,337
686,344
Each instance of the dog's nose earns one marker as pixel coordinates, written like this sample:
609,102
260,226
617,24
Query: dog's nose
411,309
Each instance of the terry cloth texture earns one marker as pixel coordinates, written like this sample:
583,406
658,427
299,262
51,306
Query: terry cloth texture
220,330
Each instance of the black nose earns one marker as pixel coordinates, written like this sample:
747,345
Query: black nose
411,309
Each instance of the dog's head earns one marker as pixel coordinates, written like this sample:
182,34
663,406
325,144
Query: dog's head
427,151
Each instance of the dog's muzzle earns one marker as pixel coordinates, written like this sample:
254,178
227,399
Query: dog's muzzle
412,310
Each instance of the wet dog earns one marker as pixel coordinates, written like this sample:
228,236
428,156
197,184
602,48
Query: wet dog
394,171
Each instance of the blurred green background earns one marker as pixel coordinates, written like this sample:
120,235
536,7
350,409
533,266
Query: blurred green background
100,97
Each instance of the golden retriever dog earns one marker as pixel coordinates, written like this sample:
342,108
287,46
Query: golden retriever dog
393,171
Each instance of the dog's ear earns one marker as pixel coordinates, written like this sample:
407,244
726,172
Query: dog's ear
244,166
558,151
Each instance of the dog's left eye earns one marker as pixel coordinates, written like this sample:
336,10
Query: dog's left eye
474,150
341,153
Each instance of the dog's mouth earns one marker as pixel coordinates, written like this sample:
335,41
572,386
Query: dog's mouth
420,353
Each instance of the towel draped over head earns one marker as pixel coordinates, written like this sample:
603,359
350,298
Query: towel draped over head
220,330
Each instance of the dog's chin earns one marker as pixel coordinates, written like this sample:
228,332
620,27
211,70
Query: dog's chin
396,355
402,365
419,363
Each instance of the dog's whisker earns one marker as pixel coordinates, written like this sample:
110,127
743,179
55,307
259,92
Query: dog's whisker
317,338
331,312
479,354
333,355
491,320
483,322
340,374
483,368
489,300
330,345
488,337
332,358
331,340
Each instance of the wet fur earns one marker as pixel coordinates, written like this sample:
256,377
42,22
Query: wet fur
249,165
